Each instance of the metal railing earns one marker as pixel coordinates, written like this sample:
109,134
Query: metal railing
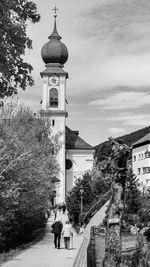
91,249
98,205
91,261
87,249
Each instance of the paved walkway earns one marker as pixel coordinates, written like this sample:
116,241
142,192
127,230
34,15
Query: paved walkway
43,253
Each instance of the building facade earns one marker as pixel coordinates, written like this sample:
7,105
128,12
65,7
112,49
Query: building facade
79,157
78,154
141,161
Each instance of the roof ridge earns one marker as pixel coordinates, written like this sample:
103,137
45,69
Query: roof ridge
143,139
74,141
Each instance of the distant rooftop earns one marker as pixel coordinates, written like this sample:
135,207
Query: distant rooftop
74,141
143,141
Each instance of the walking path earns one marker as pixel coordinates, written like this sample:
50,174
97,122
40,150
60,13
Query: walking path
43,253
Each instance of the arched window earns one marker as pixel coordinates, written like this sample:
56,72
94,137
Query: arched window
53,98
68,164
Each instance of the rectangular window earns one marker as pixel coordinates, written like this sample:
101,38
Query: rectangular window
139,171
146,170
147,154
134,158
53,122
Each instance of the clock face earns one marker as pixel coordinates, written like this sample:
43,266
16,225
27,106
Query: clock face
53,80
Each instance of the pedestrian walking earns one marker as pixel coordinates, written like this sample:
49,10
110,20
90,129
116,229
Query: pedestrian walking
55,213
64,208
59,208
57,229
67,233
82,228
71,236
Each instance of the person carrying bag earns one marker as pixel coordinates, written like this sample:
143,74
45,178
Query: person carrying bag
56,228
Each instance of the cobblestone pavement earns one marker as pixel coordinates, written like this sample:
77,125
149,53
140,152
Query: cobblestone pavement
43,253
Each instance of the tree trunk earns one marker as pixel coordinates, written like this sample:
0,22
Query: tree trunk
117,167
113,230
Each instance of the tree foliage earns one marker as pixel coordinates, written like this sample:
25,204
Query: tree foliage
27,167
14,71
95,184
144,212
132,193
74,196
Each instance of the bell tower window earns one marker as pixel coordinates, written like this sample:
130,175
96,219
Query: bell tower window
53,98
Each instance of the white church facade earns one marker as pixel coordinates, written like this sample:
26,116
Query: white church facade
75,155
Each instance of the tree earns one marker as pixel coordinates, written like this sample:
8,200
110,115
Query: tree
27,167
132,194
95,185
132,202
103,152
74,196
117,164
144,212
100,179
14,71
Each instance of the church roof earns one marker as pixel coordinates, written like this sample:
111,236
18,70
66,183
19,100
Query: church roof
143,141
74,141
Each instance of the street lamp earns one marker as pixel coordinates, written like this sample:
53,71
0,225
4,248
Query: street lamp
81,194
53,197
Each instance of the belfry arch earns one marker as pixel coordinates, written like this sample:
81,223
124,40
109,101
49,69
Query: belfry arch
53,98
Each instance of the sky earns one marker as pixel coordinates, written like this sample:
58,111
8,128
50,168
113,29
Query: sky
108,90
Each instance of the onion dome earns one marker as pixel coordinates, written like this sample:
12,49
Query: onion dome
54,51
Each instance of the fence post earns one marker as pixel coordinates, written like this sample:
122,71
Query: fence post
93,246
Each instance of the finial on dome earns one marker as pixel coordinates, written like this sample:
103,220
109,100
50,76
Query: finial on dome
55,33
54,51
55,9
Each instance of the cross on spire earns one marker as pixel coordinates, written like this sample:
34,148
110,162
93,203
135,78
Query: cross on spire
55,9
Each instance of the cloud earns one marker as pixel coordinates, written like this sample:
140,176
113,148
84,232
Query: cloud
106,73
116,131
130,119
124,100
112,47
108,43
117,22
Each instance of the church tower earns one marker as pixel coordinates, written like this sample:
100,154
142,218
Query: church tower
55,54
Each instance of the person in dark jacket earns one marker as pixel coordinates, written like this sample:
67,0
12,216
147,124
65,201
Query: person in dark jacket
57,229
64,208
